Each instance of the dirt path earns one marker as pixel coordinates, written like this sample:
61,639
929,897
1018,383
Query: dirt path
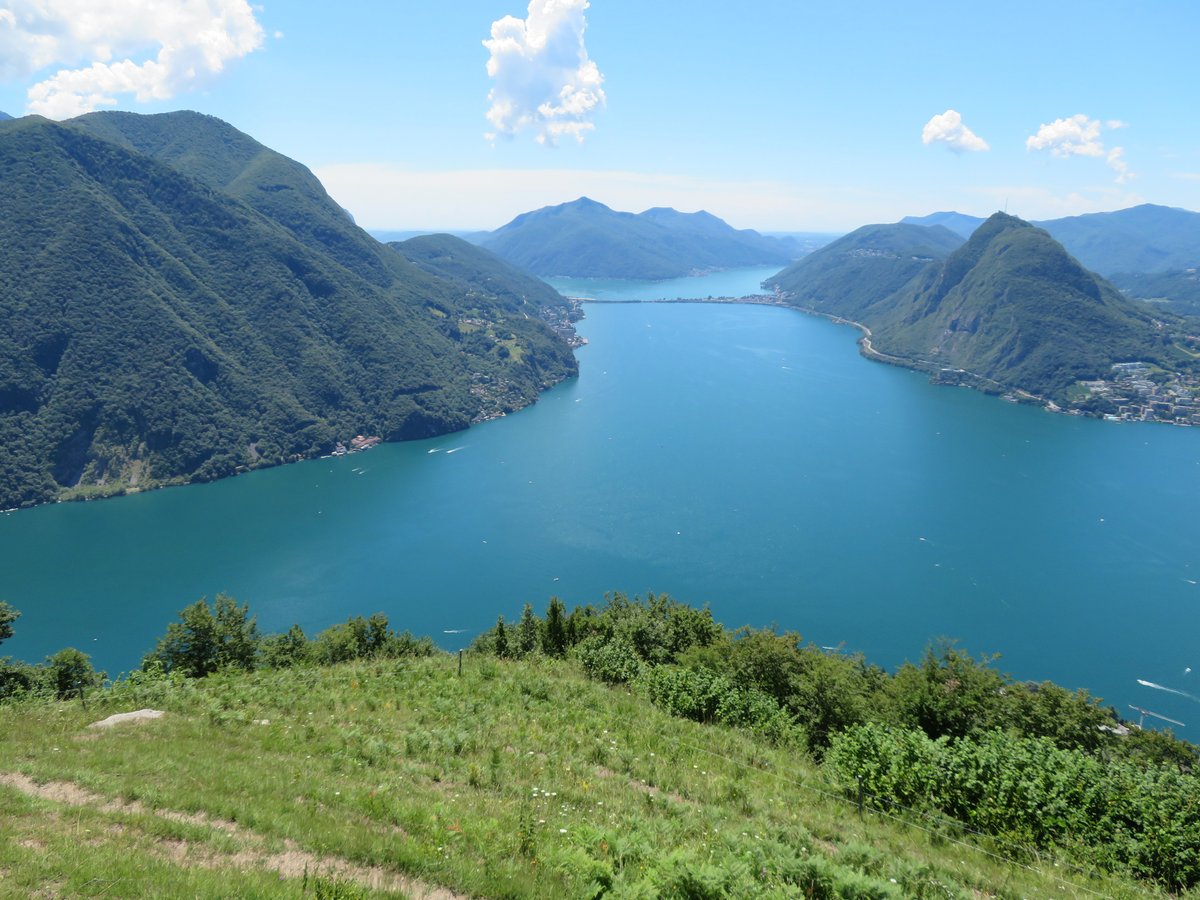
253,851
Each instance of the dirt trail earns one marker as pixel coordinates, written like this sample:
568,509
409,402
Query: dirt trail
253,852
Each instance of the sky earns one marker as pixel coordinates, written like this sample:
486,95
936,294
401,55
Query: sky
779,116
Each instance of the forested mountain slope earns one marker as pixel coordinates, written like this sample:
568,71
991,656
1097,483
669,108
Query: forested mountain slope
162,324
587,239
1010,308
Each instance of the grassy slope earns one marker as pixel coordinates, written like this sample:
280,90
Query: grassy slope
515,780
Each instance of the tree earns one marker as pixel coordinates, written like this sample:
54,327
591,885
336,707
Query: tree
208,639
949,694
527,632
555,639
501,643
282,651
8,615
69,673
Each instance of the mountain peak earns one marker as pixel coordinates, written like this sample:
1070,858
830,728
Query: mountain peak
4,116
587,239
584,203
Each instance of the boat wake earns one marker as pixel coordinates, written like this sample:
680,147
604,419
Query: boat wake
1159,687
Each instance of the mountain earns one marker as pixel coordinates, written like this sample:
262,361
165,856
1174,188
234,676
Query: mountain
478,270
587,239
388,236
1010,308
1144,238
178,303
4,117
1140,239
847,277
960,223
1177,290
479,273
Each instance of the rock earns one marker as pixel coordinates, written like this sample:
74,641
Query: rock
120,718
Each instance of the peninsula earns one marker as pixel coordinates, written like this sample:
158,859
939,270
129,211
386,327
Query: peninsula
1009,312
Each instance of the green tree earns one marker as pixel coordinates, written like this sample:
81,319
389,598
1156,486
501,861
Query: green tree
528,632
282,651
207,639
69,673
555,639
8,615
949,693
501,642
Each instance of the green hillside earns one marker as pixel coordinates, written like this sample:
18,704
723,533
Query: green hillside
1014,307
1177,291
1141,240
1146,238
155,328
476,269
635,750
849,276
1008,310
587,239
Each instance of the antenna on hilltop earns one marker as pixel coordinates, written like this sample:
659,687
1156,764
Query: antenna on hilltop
1006,206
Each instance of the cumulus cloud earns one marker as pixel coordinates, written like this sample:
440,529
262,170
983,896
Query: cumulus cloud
542,78
948,129
152,49
1081,136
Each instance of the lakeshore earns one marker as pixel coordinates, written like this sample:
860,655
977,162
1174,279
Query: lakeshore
722,455
1131,392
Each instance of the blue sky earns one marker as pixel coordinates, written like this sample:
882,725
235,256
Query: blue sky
772,115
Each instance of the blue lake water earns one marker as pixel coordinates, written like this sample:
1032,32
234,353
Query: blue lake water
729,283
741,456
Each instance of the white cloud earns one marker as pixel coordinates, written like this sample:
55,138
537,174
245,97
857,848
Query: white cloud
1116,162
152,49
1081,136
1076,136
948,129
542,78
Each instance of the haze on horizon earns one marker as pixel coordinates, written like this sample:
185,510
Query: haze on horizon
774,117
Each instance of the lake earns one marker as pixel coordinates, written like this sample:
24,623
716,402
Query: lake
741,456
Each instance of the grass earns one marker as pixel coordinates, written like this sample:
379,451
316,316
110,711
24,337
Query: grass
519,779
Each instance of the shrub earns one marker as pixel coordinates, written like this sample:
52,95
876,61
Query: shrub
611,660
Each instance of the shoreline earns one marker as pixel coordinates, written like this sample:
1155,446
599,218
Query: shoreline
938,374
563,326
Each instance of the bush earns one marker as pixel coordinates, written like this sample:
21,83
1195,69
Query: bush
611,660
1111,814
282,651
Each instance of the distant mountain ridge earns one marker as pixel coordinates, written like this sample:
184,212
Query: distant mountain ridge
4,117
1142,239
179,302
589,240
960,223
1008,309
